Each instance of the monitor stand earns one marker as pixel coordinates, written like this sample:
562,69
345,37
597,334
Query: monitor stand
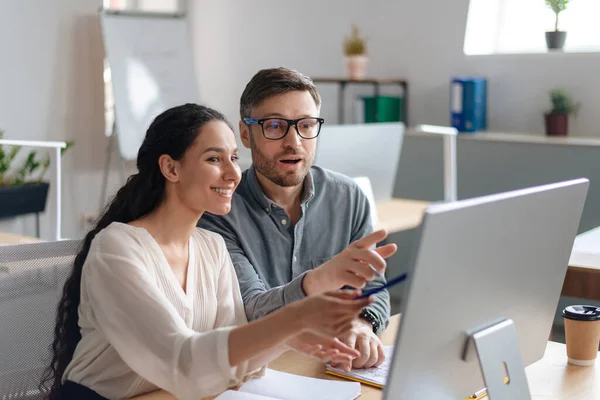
497,348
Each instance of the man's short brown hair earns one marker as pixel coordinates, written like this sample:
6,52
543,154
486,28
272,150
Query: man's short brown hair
267,83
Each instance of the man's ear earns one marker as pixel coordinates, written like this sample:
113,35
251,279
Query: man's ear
168,167
245,134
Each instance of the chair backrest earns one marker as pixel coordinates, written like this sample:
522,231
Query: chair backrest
31,282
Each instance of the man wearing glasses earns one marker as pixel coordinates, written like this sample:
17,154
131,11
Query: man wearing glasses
296,229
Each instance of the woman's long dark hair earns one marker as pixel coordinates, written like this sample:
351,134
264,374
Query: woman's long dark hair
172,133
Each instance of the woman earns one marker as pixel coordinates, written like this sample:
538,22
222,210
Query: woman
153,302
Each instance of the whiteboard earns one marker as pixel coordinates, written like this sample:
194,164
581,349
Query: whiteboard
152,69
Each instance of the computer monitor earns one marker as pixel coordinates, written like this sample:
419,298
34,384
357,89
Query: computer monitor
501,257
356,150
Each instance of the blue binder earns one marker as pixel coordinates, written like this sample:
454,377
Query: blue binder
468,104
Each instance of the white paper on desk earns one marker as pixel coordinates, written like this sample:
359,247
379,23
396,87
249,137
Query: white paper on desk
234,395
284,386
376,375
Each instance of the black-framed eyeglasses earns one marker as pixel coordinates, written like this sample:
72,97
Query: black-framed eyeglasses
277,128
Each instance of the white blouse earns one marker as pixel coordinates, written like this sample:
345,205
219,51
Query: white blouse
141,331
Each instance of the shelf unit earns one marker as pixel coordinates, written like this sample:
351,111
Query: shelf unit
376,83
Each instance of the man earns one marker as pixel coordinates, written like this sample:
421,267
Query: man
296,229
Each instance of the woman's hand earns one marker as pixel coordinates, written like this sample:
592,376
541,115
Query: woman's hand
311,325
330,314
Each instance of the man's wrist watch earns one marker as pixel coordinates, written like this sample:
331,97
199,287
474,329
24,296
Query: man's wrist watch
371,318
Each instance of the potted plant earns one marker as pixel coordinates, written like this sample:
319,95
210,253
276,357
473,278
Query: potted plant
21,191
556,39
557,119
355,51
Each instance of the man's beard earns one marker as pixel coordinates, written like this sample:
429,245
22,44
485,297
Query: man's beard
269,168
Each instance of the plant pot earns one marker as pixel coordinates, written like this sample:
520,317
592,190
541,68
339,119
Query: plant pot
28,198
356,66
557,124
555,39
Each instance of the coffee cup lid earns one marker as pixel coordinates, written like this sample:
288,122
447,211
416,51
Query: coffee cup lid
582,313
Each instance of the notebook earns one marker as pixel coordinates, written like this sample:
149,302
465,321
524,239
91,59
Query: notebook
371,376
276,385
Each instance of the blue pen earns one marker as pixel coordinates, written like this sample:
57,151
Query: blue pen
389,283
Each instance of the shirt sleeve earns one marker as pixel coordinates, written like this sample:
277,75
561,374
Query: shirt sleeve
146,330
363,226
258,300
230,309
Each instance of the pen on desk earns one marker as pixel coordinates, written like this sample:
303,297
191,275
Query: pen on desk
480,394
378,289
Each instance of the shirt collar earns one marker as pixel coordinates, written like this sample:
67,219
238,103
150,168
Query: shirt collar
254,186
307,193
309,188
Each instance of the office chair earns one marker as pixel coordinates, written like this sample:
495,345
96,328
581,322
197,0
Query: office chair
31,281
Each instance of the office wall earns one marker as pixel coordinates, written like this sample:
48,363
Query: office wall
406,39
52,89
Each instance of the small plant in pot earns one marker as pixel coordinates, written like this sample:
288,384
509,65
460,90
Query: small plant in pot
22,189
557,119
556,39
355,51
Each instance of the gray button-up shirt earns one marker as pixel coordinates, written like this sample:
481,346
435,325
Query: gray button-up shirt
271,257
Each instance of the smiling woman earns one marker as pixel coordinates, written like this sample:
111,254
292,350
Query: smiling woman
154,302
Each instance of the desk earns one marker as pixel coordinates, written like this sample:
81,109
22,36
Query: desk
583,274
13,238
551,378
400,214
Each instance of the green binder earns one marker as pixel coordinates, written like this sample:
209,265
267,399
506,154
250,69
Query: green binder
389,109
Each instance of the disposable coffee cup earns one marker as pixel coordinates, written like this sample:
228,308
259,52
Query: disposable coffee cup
582,334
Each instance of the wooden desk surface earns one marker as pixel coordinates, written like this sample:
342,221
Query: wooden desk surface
400,214
13,238
551,378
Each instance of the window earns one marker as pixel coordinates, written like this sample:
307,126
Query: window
519,26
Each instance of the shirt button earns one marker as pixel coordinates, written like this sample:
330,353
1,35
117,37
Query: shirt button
267,209
284,221
295,258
